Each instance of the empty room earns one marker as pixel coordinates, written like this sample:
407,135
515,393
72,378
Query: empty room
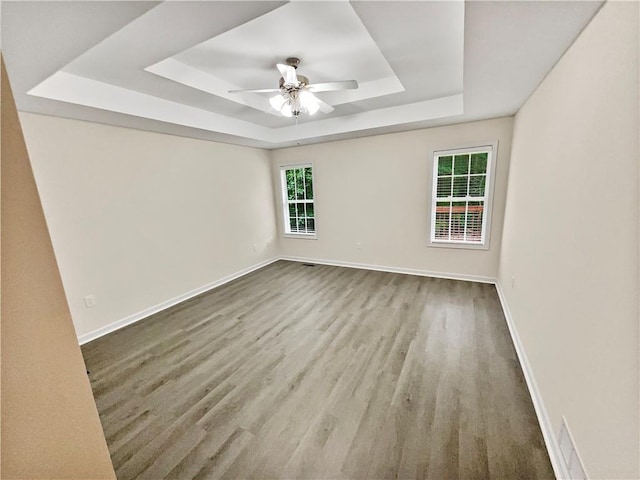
320,240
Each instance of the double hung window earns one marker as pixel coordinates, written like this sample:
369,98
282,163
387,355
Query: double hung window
461,201
298,201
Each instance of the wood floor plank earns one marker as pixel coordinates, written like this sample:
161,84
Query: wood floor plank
298,371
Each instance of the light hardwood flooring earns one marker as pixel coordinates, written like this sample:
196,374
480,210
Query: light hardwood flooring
299,371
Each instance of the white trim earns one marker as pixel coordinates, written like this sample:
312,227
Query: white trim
136,317
550,440
384,268
574,455
112,327
462,245
307,236
286,202
492,149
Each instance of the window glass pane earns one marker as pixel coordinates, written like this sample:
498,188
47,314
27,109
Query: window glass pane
460,177
476,185
299,207
475,211
443,187
299,183
308,179
301,210
458,214
311,225
291,184
479,162
461,164
445,165
443,213
460,186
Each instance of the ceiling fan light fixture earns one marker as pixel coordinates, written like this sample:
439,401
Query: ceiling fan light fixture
313,108
286,109
309,102
295,102
295,94
277,101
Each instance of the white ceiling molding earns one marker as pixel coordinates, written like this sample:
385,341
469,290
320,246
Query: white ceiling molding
195,78
168,66
67,87
334,45
332,42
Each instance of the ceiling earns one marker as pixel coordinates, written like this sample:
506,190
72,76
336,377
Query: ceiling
168,66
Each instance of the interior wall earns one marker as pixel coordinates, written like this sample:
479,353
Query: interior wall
50,425
373,194
139,218
569,262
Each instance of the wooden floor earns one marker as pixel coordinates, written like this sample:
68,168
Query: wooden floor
301,371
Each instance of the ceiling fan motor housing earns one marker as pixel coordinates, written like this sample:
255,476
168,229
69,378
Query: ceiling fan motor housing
304,81
293,62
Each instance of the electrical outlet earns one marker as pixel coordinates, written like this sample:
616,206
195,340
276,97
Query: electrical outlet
359,245
89,301
255,247
513,281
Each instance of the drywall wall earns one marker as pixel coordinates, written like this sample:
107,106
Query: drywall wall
570,241
140,218
376,192
50,425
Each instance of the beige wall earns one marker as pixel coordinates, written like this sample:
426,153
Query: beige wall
376,191
50,426
571,241
139,218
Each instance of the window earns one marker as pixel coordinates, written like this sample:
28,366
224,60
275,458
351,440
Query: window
297,199
460,206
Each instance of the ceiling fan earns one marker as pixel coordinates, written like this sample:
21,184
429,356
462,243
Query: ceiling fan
296,94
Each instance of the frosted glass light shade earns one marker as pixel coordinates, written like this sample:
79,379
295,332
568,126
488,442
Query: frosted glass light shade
309,102
295,102
312,108
277,101
286,110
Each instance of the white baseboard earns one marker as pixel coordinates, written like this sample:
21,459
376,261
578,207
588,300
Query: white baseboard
550,440
384,268
559,466
112,327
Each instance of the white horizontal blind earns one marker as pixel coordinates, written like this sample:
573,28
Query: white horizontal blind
460,190
297,194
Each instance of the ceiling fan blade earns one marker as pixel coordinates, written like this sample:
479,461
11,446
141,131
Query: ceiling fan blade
261,90
288,74
332,86
324,107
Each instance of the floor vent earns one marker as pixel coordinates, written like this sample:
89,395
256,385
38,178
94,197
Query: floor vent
308,264
570,453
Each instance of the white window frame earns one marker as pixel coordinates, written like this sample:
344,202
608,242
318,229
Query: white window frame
285,202
492,149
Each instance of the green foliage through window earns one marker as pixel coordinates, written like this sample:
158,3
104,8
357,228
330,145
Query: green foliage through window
299,200
460,186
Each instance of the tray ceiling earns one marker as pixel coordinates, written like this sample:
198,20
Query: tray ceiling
168,66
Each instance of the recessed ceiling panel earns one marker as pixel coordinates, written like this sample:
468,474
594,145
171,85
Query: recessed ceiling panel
168,66
332,43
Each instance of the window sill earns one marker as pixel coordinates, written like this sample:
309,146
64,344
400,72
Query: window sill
304,236
464,246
